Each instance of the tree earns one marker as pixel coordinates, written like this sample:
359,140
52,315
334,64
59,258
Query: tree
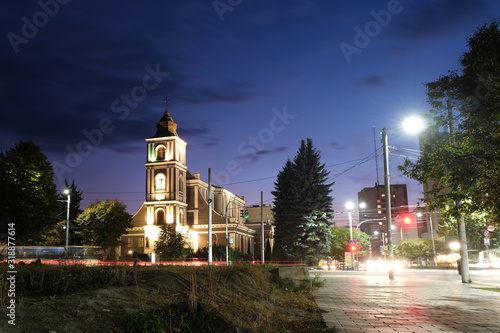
475,225
302,206
464,167
340,241
103,223
28,195
171,245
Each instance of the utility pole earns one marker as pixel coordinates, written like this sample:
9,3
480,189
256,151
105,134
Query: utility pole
262,225
209,216
462,238
388,207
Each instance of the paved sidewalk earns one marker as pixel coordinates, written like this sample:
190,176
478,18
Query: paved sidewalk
412,302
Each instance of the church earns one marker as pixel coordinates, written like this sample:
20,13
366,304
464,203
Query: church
176,196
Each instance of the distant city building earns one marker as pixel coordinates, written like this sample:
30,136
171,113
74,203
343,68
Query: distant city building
373,217
176,196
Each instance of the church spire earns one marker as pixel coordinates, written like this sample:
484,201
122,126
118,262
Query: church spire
166,126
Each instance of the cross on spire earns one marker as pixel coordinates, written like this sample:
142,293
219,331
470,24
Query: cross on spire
166,99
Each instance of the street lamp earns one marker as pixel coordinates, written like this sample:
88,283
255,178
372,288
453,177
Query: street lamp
66,191
411,124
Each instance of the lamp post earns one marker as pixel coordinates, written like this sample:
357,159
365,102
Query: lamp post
414,125
349,205
66,191
388,207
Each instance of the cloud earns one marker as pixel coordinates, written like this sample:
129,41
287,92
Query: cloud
424,19
337,146
251,158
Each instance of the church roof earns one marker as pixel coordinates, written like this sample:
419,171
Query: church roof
166,127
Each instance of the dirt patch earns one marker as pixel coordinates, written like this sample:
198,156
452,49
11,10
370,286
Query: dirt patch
177,299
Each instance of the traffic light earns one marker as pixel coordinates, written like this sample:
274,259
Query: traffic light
353,247
407,219
246,214
242,213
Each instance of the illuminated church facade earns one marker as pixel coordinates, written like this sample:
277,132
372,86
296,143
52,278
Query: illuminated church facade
176,196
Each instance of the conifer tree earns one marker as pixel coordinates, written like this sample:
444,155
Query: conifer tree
302,206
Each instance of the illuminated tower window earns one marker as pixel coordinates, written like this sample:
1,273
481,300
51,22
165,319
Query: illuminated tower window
160,153
160,217
160,182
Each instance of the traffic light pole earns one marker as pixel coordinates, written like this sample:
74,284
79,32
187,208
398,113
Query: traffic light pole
227,233
349,212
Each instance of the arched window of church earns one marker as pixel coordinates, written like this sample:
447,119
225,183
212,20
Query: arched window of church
160,182
160,153
181,216
181,184
160,217
181,156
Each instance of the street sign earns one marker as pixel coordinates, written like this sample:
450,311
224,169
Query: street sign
486,233
486,241
491,228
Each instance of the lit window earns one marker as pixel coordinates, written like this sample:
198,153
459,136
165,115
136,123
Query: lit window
160,217
380,212
160,182
140,242
160,153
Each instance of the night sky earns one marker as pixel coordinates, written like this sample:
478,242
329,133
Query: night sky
247,81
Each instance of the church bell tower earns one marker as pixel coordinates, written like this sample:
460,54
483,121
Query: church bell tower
166,169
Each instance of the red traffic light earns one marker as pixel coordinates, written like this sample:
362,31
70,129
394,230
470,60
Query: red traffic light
354,247
407,219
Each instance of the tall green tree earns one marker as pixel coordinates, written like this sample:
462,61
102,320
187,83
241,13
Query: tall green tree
103,223
171,245
302,207
464,167
28,195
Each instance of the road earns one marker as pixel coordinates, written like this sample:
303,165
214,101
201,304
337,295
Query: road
415,301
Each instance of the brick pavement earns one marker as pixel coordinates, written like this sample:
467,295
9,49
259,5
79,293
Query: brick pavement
360,302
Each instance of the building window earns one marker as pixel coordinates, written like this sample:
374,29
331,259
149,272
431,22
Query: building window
160,182
181,184
140,242
160,217
147,242
214,240
160,153
130,242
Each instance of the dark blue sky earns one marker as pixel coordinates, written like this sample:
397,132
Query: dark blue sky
248,80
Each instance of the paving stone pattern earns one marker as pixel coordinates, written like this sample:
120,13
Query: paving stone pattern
364,303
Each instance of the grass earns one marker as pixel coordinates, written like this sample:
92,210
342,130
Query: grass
490,289
241,297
